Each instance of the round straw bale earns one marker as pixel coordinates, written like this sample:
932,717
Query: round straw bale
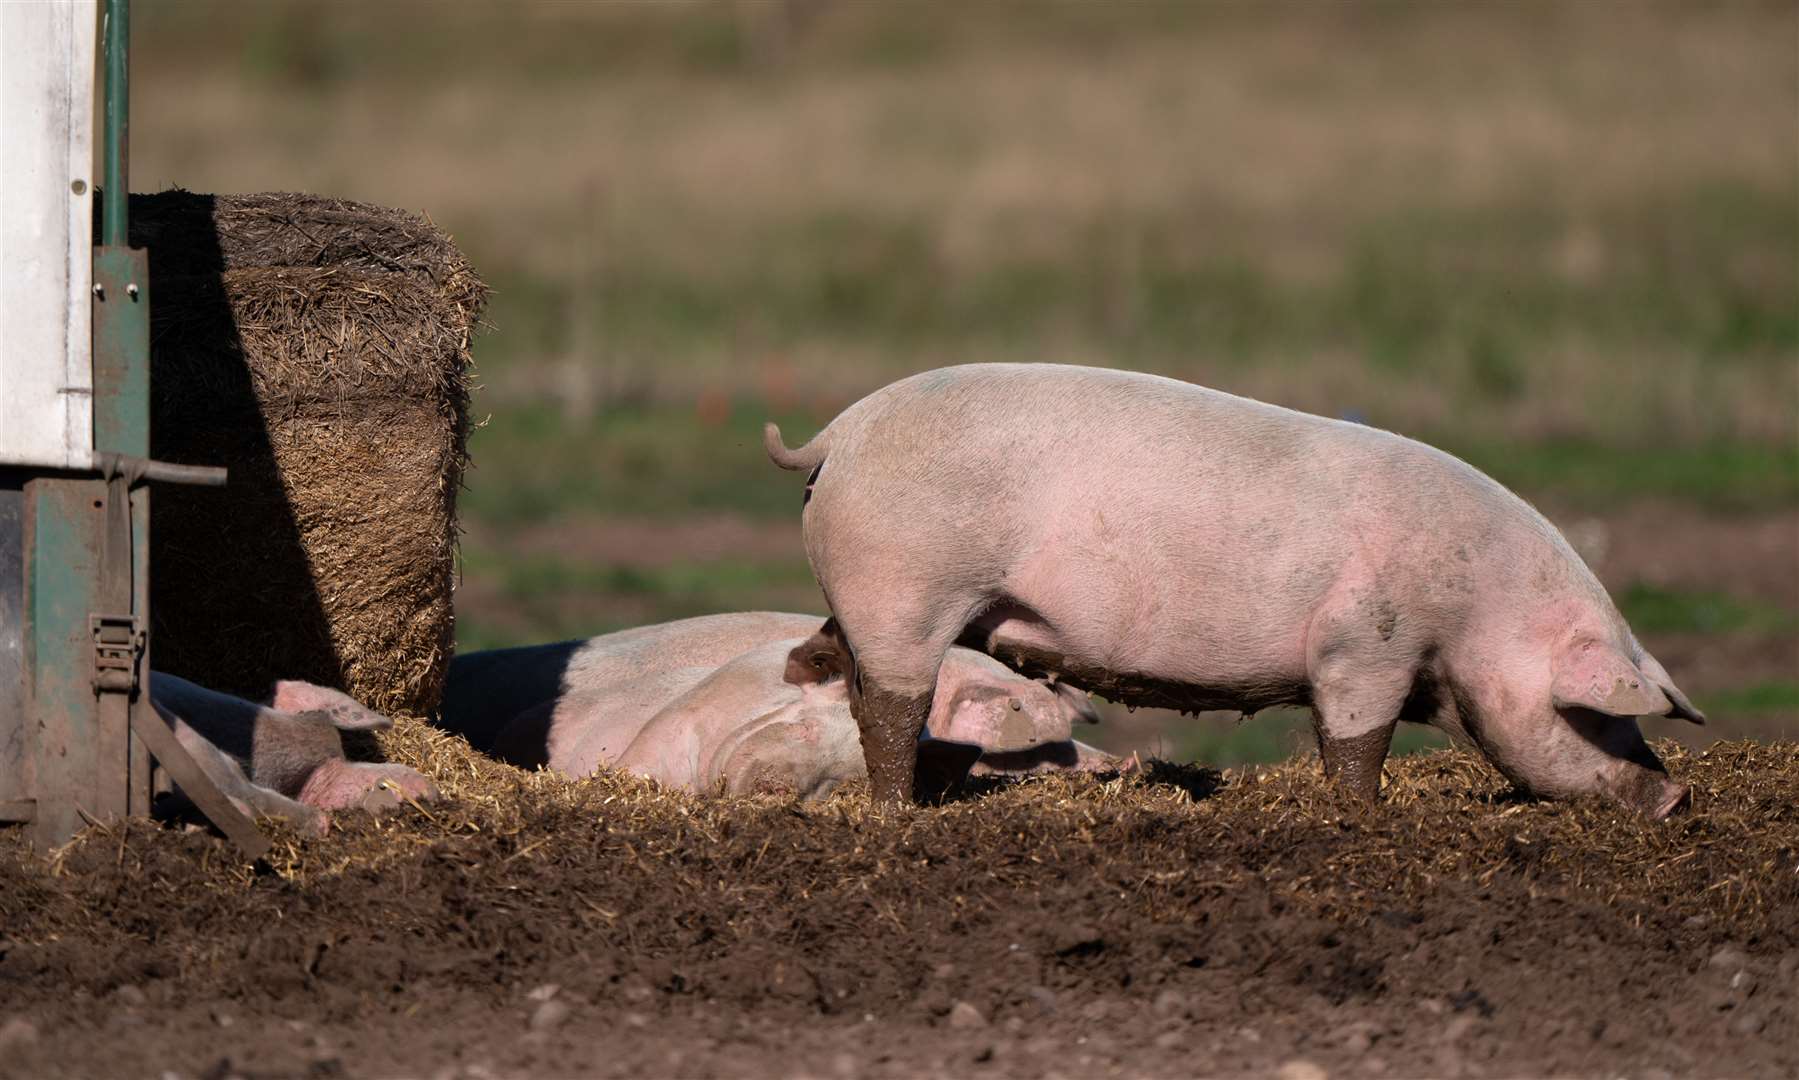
338,400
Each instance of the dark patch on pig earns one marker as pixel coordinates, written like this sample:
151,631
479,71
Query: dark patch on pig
525,743
1386,620
811,479
1135,688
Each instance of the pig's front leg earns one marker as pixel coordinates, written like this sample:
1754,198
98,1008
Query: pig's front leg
1357,696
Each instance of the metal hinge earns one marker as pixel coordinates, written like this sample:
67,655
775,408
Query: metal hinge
118,643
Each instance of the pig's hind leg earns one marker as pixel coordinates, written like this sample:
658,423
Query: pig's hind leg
892,681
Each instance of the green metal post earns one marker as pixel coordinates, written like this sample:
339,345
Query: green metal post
63,519
87,555
117,46
122,415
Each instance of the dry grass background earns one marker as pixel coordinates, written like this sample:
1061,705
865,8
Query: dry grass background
1585,145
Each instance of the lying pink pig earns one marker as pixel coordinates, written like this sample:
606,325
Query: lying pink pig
741,703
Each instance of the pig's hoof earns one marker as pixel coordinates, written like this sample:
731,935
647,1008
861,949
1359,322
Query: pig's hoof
1679,798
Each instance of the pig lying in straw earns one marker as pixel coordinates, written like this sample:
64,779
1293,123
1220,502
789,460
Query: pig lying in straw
1165,544
742,703
284,759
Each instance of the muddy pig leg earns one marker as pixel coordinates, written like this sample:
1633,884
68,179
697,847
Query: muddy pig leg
1358,692
890,723
891,690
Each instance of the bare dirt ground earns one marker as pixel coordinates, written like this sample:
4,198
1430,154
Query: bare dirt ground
1182,923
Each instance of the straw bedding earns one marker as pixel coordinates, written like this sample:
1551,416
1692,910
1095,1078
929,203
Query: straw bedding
320,350
1179,922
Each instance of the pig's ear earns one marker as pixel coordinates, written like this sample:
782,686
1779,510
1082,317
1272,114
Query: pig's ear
343,711
1076,705
818,658
1683,706
1592,675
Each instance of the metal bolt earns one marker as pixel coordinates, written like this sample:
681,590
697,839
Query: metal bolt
131,290
99,290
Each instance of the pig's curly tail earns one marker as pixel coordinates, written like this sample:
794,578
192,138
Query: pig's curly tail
809,456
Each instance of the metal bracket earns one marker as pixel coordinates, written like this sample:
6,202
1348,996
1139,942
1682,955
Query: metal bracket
136,470
118,645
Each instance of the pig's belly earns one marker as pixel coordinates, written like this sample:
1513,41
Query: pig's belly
1156,631
1033,649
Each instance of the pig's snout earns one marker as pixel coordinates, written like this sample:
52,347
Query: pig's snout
1648,791
1628,770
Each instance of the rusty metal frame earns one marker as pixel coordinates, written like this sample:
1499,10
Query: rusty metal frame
85,560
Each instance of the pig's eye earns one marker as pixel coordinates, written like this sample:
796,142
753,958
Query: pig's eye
1015,703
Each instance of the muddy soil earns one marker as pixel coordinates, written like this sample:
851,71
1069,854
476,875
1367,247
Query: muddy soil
1181,923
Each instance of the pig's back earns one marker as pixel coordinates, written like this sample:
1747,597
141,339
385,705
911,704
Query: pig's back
701,641
486,690
1050,436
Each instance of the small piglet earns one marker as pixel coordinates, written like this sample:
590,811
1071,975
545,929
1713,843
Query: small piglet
1165,544
284,759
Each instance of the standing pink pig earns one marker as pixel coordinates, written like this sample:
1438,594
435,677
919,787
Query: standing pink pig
1165,544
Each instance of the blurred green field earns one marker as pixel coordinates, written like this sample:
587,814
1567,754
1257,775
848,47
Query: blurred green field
1561,241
